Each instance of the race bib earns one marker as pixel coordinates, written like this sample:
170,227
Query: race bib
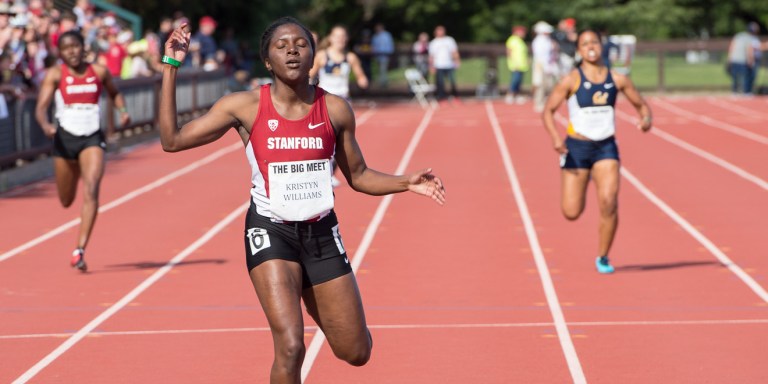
300,190
80,119
596,123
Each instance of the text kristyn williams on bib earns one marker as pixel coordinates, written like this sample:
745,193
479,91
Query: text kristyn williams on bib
300,190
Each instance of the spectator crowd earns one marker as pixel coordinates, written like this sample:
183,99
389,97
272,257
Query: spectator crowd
29,31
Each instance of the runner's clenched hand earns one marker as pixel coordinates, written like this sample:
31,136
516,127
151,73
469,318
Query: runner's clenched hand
178,43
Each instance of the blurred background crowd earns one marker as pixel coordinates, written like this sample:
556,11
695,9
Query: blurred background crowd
29,32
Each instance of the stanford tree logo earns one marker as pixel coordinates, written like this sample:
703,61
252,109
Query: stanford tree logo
272,124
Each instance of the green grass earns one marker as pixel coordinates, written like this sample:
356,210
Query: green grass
677,73
471,73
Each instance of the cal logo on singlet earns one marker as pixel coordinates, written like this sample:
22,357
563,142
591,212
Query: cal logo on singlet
290,161
77,101
591,108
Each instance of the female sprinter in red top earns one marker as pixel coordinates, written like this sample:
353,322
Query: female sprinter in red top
291,130
589,150
78,143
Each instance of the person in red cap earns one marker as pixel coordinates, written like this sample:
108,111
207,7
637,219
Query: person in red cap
565,36
204,42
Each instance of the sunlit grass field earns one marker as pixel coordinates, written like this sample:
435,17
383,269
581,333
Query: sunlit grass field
678,74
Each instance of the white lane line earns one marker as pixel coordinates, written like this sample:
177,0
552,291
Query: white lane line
670,322
703,240
712,122
319,338
722,103
101,318
701,153
566,343
365,116
138,333
402,326
123,199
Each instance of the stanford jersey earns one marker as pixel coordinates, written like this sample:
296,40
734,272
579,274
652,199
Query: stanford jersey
77,102
290,161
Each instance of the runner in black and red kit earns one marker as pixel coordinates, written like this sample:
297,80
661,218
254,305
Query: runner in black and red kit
291,131
78,143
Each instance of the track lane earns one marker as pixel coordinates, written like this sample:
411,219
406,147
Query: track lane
662,273
708,156
741,111
743,152
466,262
726,208
131,179
204,184
665,280
180,296
709,116
132,242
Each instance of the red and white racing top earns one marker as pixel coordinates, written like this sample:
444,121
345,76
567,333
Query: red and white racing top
77,101
291,161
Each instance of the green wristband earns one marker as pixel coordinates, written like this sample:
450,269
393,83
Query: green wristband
171,61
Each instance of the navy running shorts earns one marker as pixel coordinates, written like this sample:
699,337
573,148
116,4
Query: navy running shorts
585,153
69,146
316,246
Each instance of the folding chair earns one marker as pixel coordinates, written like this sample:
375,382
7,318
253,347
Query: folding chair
422,90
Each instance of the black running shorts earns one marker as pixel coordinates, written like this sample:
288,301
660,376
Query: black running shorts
316,246
69,146
585,153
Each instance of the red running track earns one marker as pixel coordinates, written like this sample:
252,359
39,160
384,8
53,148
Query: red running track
494,287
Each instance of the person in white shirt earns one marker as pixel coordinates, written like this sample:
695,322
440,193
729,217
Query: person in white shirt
545,65
743,59
443,60
80,10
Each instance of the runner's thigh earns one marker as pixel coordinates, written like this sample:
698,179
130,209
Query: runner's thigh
574,187
92,166
606,175
337,308
67,174
278,285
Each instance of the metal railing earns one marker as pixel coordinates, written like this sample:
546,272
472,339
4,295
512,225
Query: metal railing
22,139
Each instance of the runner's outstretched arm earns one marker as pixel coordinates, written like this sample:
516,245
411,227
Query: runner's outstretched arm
367,180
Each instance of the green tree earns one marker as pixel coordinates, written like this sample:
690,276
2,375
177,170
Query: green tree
471,20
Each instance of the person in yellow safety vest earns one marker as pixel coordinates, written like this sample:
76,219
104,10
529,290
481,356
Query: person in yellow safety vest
517,62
